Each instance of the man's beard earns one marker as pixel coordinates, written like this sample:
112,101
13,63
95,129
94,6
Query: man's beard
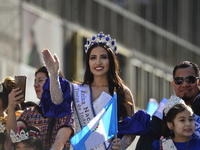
186,98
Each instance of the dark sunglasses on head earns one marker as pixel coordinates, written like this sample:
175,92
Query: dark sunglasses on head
188,79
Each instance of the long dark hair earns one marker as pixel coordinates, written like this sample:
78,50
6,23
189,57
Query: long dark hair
114,80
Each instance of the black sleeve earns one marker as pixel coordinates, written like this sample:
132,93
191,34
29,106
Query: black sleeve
196,106
146,140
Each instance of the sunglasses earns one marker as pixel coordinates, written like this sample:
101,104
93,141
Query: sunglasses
188,79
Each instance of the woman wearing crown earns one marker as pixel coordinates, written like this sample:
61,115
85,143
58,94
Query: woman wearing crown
101,78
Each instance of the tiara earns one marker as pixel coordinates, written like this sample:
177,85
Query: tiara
1,87
18,137
101,38
2,128
172,102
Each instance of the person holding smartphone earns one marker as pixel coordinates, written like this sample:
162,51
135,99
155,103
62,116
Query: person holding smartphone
53,132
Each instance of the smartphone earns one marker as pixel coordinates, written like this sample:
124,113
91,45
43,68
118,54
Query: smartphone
20,81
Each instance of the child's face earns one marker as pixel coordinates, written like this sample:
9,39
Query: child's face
183,126
22,146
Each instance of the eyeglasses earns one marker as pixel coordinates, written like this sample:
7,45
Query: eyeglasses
188,79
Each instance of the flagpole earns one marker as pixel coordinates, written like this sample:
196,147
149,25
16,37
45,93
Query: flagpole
116,136
115,90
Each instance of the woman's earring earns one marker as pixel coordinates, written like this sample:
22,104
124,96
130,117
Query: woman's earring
171,131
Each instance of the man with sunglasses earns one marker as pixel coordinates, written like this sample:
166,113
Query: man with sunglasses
185,83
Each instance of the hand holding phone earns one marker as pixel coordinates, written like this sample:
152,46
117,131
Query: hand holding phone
20,81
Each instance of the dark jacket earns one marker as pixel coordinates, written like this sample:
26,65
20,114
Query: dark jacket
145,141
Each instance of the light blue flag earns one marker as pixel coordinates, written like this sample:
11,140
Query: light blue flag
152,106
101,128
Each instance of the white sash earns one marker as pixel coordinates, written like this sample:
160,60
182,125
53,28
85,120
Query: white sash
84,107
168,144
83,104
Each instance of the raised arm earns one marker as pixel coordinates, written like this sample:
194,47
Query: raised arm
52,65
14,100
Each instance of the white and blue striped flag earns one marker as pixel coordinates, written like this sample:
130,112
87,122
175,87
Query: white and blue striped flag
101,128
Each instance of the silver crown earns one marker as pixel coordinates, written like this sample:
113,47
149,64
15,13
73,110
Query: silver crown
172,102
2,128
101,38
1,87
22,135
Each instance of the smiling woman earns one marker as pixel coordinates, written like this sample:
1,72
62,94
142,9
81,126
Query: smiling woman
101,80
99,62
